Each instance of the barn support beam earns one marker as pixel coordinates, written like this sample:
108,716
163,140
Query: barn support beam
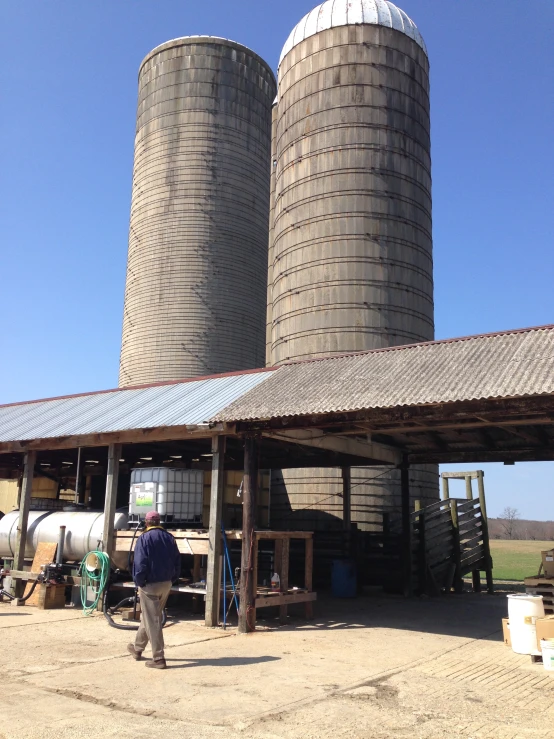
247,609
406,529
24,506
110,504
213,572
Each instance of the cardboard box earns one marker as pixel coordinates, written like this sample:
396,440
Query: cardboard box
548,562
506,632
545,629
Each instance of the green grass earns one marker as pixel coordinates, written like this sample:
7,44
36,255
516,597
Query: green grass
515,560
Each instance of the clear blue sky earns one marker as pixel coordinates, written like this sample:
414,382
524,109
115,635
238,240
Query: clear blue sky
68,83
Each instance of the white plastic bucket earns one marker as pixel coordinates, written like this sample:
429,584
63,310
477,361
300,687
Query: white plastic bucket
92,563
523,612
547,647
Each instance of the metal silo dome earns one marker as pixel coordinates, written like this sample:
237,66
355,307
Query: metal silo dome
336,13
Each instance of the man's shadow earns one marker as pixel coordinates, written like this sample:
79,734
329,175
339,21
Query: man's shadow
221,662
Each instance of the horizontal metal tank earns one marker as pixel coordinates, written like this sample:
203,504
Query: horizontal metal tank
83,531
351,263
195,296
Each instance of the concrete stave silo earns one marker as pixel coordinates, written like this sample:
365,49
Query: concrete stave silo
195,297
351,252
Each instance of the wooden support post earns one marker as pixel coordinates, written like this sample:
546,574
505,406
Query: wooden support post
24,506
485,525
445,489
110,504
406,529
476,574
458,582
278,557
308,574
197,563
78,486
422,550
285,563
213,574
247,609
346,499
347,509
255,562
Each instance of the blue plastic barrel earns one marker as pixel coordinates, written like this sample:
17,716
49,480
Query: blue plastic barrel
344,583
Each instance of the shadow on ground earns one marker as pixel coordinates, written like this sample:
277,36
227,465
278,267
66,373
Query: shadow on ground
467,615
221,662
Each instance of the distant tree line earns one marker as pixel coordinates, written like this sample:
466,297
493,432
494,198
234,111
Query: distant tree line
509,525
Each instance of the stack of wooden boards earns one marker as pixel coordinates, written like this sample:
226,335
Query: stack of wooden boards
543,585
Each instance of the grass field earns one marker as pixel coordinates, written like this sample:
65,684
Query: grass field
515,560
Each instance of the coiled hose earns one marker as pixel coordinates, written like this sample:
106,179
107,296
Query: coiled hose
96,580
99,581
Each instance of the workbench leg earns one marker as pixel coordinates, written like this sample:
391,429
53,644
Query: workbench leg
285,559
308,575
195,578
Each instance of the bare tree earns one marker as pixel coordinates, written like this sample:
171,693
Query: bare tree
509,518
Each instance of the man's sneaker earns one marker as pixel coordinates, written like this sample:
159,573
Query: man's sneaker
135,652
157,664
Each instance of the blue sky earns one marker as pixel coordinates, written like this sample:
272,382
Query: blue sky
67,114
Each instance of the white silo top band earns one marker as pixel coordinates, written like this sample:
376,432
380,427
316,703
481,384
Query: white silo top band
335,13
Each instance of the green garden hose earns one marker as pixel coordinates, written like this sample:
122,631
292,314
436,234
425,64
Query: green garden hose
95,574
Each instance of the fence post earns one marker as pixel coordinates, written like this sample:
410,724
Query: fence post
458,582
485,526
445,490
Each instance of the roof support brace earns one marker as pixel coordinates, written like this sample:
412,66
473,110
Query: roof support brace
344,445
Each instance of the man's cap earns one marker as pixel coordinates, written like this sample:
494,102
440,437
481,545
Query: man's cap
153,516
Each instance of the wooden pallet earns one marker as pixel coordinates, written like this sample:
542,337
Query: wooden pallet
541,586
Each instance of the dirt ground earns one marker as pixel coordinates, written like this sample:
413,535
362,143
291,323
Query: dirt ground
378,667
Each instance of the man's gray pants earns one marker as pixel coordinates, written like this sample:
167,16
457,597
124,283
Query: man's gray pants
153,598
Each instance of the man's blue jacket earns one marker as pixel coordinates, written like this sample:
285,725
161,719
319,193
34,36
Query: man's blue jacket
157,558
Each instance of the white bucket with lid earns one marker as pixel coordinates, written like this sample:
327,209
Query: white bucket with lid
523,612
547,647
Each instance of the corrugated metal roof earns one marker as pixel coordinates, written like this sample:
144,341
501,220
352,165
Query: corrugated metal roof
504,365
186,403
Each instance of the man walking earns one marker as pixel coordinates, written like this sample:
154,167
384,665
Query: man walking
156,566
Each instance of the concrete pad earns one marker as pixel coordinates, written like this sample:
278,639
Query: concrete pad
374,667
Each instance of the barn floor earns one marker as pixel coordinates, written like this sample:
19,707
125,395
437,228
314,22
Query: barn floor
375,667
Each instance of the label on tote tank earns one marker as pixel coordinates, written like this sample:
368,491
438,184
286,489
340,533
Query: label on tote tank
143,495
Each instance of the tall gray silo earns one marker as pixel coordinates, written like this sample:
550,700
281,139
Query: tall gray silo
351,252
195,296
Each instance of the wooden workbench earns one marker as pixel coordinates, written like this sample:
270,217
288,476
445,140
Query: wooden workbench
195,543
